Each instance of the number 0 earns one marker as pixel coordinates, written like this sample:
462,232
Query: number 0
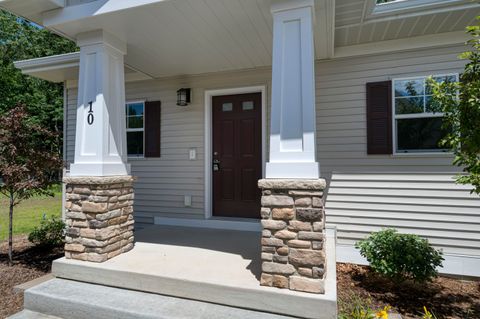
90,118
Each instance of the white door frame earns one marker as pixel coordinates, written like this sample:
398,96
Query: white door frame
209,94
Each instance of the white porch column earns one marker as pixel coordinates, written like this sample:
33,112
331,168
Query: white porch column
292,135
100,140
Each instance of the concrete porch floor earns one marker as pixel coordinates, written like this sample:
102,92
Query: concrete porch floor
211,265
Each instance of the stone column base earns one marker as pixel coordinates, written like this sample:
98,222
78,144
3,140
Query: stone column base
99,217
293,221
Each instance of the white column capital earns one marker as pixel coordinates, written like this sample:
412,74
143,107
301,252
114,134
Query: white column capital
285,5
101,37
100,139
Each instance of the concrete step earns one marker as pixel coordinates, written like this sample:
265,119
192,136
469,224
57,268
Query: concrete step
78,300
29,284
27,314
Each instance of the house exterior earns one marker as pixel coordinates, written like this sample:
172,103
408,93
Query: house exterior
323,101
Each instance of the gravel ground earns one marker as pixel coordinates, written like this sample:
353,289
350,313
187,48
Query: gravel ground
29,263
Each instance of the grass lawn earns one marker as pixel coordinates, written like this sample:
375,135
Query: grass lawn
29,213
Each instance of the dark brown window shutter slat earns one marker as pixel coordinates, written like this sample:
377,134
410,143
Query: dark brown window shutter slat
379,117
152,128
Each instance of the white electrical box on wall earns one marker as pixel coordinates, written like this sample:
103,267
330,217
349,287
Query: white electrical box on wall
192,154
187,200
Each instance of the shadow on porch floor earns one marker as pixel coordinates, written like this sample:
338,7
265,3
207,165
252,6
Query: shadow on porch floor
223,250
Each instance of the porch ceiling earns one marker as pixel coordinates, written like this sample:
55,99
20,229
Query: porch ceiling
167,38
177,37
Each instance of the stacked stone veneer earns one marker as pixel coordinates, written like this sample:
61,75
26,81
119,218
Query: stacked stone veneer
99,217
293,221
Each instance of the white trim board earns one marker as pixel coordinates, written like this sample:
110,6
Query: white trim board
459,265
209,94
242,224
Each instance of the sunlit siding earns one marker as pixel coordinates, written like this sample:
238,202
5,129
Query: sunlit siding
426,204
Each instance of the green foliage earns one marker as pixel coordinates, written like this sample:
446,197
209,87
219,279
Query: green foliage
460,101
20,40
360,308
401,256
50,233
29,162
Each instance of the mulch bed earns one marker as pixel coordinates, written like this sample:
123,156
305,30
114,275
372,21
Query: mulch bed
445,297
29,263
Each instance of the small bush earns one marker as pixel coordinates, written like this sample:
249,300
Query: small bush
49,234
401,256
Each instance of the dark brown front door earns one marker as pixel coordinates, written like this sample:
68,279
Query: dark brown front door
237,155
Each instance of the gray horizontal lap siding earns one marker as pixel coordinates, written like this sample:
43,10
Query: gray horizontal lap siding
358,202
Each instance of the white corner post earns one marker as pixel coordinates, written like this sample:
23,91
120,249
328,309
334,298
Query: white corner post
100,140
292,134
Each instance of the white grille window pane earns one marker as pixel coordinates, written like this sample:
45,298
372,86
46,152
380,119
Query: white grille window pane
135,122
135,109
440,79
227,107
247,105
432,105
413,87
409,105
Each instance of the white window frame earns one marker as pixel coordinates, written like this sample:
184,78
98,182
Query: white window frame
135,129
415,116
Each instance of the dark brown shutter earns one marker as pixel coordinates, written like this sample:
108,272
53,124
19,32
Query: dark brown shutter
152,128
379,117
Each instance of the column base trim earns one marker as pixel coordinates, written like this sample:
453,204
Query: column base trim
304,170
99,169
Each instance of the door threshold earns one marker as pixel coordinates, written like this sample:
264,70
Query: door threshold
230,223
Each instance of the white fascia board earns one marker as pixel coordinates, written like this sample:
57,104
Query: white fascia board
405,44
415,7
90,9
55,63
52,62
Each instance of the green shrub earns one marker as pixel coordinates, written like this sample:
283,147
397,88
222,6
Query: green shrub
401,256
49,234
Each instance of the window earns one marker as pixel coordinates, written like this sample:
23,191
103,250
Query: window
135,128
417,127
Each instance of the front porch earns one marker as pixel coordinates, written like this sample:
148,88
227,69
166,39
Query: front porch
209,265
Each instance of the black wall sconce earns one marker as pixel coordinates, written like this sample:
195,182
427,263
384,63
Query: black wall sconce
183,96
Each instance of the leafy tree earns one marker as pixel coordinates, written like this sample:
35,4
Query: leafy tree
28,160
20,40
460,101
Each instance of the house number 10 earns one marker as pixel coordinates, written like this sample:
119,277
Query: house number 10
90,117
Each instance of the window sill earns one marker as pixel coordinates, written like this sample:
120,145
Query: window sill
423,154
129,158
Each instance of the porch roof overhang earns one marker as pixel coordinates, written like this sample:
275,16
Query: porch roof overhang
172,37
65,67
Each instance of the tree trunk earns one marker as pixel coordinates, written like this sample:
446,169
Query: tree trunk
10,230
